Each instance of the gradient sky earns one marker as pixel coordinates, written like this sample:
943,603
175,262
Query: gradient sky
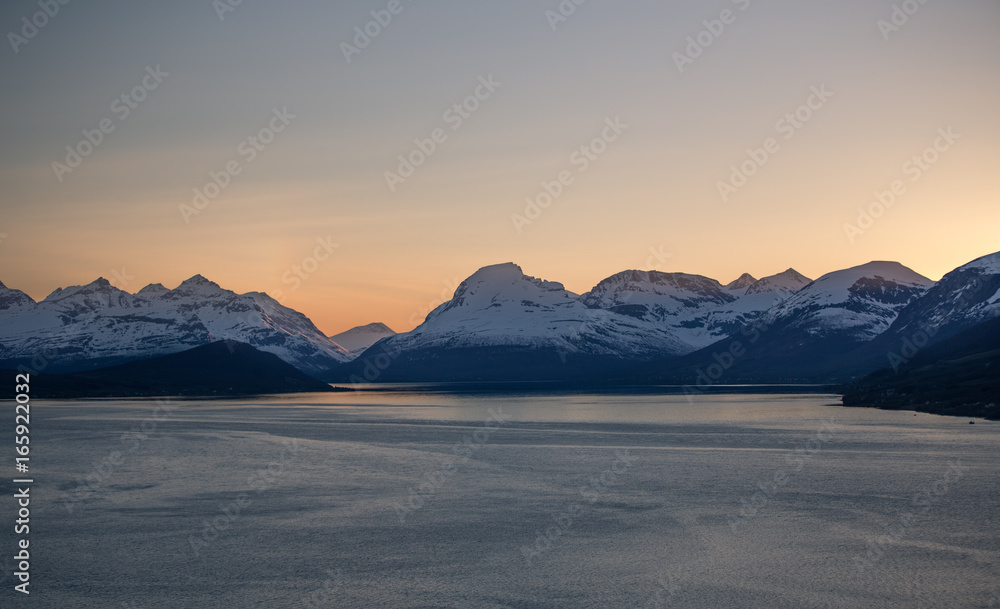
654,189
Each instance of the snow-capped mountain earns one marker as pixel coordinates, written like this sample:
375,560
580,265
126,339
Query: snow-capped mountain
697,310
685,304
788,282
500,306
818,334
504,325
742,283
500,321
858,303
99,324
965,297
14,300
356,340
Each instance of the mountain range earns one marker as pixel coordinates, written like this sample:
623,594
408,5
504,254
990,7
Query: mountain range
640,327
503,325
98,325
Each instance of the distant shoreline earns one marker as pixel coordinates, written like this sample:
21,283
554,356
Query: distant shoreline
542,388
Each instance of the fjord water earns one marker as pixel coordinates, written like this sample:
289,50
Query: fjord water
426,499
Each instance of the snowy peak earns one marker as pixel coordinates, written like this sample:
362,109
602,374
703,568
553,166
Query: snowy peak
14,300
153,290
967,296
505,287
657,296
881,280
356,340
878,276
860,302
509,274
893,271
96,286
788,282
659,282
497,273
198,286
95,296
744,282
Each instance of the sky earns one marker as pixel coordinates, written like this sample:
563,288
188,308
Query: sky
359,177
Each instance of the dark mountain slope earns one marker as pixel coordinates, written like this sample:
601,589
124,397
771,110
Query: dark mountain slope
958,376
216,369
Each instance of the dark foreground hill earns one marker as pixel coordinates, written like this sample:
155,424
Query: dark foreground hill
958,376
224,368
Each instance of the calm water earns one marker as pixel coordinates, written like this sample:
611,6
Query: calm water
425,500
